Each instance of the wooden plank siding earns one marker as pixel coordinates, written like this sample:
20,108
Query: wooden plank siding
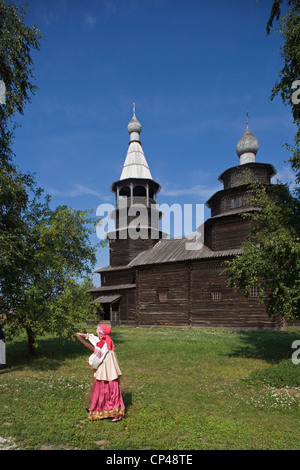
128,307
115,278
163,296
190,289
122,251
228,233
231,310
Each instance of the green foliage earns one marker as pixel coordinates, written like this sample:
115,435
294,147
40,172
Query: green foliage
13,202
43,252
49,297
289,26
271,254
16,41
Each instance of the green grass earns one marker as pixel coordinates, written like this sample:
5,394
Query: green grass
183,389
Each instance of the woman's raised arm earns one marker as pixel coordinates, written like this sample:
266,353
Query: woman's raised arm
86,344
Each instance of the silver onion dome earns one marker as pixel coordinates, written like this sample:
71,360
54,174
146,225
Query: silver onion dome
134,127
247,146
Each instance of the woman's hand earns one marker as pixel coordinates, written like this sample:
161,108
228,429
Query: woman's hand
84,335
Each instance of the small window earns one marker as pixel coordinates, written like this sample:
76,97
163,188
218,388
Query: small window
216,296
163,297
253,291
236,202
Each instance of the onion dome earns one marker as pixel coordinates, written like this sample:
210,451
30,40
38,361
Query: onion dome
247,147
135,165
134,127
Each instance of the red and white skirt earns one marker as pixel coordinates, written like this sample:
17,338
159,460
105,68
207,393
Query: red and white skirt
106,401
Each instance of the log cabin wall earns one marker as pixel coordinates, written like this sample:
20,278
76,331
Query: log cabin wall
115,282
215,304
163,293
122,251
128,313
195,294
117,277
228,233
235,176
230,200
127,307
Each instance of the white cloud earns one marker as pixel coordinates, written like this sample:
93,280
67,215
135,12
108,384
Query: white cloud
76,191
197,190
286,176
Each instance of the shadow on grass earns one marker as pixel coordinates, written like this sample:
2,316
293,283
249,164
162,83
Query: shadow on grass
127,398
50,354
117,338
270,346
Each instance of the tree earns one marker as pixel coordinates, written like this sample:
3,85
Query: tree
46,294
272,261
16,42
50,299
44,252
289,25
270,257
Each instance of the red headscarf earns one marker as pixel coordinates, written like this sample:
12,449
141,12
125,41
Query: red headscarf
105,331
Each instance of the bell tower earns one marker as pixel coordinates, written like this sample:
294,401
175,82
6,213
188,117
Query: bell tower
226,229
136,215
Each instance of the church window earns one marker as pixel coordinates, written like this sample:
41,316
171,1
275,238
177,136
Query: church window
236,202
163,297
216,296
253,291
124,191
139,191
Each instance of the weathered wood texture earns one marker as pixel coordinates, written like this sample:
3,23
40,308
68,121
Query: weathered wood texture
127,307
123,251
231,310
115,278
195,295
230,200
235,176
226,233
163,296
163,287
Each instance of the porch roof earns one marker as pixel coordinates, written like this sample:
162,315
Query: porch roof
107,299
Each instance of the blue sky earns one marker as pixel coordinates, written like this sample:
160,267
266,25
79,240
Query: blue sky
193,68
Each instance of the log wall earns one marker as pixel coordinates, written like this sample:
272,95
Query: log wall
162,296
229,233
122,251
195,294
214,304
115,278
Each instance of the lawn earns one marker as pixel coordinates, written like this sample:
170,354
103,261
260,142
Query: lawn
184,389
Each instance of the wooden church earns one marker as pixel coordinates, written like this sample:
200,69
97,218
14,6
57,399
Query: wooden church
152,279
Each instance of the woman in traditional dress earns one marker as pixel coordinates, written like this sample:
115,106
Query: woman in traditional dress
106,401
